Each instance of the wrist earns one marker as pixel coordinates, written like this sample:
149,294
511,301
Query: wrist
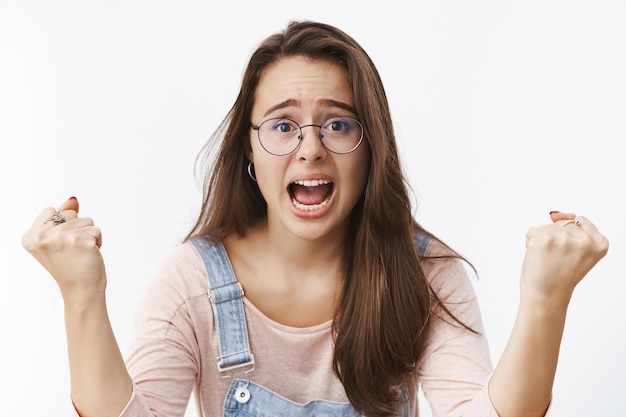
545,301
80,300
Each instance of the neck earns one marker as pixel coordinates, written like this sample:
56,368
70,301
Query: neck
294,253
292,280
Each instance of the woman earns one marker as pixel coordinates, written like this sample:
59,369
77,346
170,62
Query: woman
349,304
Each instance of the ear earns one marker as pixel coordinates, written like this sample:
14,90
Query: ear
250,155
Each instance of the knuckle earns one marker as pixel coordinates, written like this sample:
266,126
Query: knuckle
532,231
603,246
39,239
535,234
27,242
87,221
586,241
44,238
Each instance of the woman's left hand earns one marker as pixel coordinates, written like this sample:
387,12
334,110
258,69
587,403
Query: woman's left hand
558,256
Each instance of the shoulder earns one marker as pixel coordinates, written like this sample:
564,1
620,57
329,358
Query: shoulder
448,274
451,279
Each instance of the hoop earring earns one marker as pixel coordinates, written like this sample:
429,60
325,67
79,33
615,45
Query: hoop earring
250,165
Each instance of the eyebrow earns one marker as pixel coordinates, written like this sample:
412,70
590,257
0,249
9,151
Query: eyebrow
326,102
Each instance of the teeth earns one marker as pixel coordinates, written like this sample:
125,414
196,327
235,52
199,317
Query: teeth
307,207
312,183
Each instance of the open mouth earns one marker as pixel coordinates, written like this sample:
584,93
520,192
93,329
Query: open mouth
310,195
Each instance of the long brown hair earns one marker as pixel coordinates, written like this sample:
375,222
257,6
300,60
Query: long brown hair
381,319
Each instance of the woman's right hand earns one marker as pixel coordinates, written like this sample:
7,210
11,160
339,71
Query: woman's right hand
69,251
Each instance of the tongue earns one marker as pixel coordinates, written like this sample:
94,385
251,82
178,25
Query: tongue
310,195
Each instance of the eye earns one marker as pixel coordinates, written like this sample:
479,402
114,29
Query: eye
338,125
284,126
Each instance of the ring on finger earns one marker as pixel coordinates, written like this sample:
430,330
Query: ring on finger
57,218
575,222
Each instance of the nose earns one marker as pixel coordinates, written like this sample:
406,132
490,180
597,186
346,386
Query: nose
311,147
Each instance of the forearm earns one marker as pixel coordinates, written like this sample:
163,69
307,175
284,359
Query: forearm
100,383
522,382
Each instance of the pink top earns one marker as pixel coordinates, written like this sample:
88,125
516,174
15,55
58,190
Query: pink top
175,348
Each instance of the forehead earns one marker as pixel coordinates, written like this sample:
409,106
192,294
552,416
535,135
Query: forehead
302,83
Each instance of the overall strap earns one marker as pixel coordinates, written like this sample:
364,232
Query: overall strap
226,295
421,241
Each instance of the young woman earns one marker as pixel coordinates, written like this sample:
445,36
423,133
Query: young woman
349,304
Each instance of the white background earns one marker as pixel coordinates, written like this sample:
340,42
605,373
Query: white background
503,110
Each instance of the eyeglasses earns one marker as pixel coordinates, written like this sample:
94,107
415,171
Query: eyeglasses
282,136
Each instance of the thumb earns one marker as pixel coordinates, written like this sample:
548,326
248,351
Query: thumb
69,204
557,215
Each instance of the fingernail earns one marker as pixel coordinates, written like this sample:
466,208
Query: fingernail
554,212
72,198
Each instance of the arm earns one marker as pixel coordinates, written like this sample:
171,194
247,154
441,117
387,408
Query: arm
70,251
456,363
169,336
557,258
100,383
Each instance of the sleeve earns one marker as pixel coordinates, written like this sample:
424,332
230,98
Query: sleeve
163,360
456,365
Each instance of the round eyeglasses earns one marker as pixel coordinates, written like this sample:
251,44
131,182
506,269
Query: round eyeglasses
281,136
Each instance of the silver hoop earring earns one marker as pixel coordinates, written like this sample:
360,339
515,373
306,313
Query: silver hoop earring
250,165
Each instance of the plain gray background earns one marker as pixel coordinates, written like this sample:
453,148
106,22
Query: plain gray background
503,110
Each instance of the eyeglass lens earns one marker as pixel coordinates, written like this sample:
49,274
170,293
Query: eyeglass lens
282,136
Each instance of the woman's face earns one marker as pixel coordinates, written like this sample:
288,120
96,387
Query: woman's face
311,191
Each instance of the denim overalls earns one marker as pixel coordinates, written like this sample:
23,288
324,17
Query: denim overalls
244,397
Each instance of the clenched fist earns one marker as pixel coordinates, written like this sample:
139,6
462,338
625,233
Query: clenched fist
68,247
559,255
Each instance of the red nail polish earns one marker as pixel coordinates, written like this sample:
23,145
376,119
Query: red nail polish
72,198
554,212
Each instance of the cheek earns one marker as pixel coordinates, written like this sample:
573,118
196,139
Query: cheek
270,175
357,177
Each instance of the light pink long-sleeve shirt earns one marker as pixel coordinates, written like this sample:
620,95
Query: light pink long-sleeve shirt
175,348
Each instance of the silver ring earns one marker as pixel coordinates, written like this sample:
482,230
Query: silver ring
57,218
575,222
